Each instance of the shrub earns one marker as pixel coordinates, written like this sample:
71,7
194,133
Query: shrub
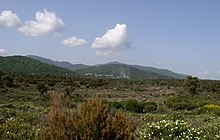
115,105
212,128
150,107
16,129
92,120
181,102
169,130
211,109
140,107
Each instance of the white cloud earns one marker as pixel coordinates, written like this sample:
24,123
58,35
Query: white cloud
46,23
218,72
2,51
9,19
74,41
112,41
204,73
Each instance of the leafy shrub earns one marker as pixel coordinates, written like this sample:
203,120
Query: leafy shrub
134,106
212,128
169,130
115,105
150,106
91,120
211,108
16,129
139,107
183,101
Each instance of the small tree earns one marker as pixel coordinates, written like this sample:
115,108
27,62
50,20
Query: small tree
91,121
190,84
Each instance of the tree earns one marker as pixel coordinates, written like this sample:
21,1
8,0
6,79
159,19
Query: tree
190,84
93,120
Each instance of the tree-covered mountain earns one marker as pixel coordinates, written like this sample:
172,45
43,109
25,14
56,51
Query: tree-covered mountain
63,64
25,65
163,72
114,70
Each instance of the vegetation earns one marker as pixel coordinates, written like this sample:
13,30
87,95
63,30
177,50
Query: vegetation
191,84
27,66
66,107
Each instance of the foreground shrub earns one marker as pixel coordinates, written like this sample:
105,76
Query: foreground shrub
91,120
211,109
17,129
212,128
169,130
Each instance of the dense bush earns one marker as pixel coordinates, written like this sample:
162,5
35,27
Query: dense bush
184,101
91,120
190,84
115,105
140,107
169,130
150,106
210,109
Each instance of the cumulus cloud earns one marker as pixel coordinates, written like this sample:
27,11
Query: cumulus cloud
9,19
204,73
46,23
113,40
2,51
74,41
218,72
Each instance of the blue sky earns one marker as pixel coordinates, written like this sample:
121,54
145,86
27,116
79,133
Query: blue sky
183,36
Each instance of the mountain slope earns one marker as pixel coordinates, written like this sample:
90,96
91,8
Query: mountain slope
113,70
64,64
163,72
25,65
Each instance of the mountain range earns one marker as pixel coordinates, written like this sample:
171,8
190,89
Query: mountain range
26,65
113,70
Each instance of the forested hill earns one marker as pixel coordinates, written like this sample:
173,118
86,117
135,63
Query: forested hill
25,65
114,70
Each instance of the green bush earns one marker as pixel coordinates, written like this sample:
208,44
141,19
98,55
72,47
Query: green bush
210,109
115,105
140,107
16,129
150,106
183,101
169,130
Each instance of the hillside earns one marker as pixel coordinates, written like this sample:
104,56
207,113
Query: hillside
25,65
63,64
112,70
163,72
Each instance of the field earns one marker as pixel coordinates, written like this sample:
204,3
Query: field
153,109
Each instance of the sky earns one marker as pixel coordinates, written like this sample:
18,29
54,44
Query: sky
182,36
